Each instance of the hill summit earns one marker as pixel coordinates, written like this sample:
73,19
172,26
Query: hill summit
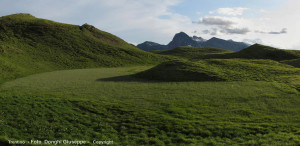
258,51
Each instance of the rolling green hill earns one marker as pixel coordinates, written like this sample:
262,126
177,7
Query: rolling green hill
30,45
293,62
258,51
193,52
223,70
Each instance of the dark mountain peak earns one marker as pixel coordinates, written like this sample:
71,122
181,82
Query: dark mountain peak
181,39
225,44
150,46
215,39
149,43
181,35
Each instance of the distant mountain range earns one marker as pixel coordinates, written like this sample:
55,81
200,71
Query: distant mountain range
182,39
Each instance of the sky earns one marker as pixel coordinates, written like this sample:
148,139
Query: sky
269,22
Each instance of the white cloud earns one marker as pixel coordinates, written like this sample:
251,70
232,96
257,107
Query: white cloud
140,21
262,11
278,27
283,31
230,11
286,17
235,30
215,20
226,25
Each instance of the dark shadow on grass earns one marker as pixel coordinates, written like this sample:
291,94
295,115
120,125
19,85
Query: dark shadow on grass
127,78
132,78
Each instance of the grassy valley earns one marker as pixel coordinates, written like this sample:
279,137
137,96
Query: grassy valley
70,82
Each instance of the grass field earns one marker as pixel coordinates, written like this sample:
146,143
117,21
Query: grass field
109,104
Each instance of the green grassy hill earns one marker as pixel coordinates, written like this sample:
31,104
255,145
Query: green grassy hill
223,70
264,52
253,52
293,62
30,45
193,52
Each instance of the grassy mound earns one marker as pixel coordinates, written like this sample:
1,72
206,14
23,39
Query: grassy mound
180,70
253,52
221,70
102,104
30,45
264,52
293,62
193,52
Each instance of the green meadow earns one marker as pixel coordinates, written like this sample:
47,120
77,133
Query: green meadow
110,104
69,82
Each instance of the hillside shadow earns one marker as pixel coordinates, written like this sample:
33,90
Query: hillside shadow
126,78
131,78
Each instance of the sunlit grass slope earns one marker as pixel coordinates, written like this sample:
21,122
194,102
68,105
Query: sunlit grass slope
30,45
258,51
223,70
194,52
108,104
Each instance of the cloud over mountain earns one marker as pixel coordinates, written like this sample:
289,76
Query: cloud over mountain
235,30
283,31
226,25
215,20
229,11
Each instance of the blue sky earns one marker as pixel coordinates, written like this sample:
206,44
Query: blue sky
191,7
269,22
